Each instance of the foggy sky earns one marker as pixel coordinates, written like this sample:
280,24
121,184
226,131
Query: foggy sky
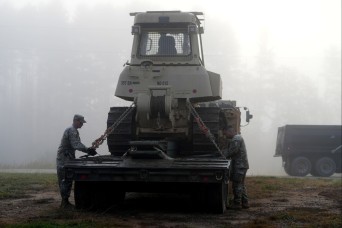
282,59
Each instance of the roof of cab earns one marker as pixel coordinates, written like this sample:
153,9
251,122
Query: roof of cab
166,17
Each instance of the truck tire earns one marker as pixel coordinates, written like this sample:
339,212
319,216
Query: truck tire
313,172
217,197
287,168
325,167
300,166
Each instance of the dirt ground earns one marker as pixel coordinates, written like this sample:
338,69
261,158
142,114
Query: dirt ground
171,210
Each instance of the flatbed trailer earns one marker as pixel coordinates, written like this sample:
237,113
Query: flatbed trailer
102,181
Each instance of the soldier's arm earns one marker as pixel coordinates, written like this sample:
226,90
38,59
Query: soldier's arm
233,149
76,142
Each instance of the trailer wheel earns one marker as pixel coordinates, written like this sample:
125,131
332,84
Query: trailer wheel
117,197
97,195
107,195
83,195
217,197
325,167
301,166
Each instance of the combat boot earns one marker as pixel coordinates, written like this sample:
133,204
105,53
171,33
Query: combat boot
66,204
235,206
245,205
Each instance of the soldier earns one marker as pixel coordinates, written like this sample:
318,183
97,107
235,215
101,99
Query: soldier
66,151
238,153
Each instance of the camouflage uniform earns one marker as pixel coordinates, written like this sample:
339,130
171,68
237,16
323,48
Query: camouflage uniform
239,166
66,151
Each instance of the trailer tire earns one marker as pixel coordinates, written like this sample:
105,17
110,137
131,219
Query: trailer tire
107,195
300,166
97,195
83,195
217,197
118,197
325,167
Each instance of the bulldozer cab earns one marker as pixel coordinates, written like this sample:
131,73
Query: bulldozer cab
153,43
167,37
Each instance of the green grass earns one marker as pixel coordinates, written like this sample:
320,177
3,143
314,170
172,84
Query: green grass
38,164
18,185
15,185
301,215
264,187
51,224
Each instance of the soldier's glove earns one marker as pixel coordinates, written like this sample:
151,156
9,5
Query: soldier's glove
91,151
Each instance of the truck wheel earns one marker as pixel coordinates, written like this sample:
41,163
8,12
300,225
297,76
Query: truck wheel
313,172
217,197
301,166
325,167
287,168
83,195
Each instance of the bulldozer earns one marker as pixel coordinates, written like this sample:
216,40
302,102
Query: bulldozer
170,139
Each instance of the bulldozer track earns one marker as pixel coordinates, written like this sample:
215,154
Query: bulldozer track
118,140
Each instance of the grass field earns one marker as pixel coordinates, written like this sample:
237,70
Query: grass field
275,202
267,186
19,185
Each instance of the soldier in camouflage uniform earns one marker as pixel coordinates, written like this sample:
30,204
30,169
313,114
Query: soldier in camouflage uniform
66,151
239,166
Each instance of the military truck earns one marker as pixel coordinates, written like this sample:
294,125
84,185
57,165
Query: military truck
170,139
314,149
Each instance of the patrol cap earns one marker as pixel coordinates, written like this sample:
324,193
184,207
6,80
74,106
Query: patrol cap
79,118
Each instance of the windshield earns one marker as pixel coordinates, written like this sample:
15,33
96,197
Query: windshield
164,44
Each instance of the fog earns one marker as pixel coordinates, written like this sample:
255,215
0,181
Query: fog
280,58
